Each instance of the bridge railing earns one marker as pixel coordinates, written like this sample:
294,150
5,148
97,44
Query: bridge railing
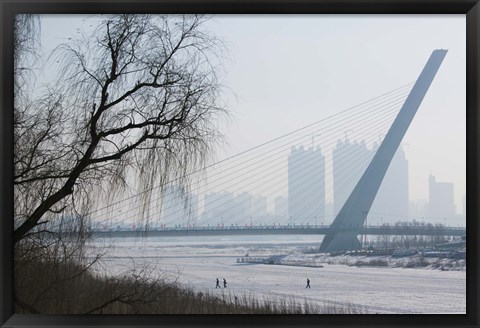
371,229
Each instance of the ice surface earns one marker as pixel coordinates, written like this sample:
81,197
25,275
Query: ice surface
197,262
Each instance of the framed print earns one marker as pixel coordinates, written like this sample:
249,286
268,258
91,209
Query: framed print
276,163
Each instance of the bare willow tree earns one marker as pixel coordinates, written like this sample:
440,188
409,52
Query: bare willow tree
139,94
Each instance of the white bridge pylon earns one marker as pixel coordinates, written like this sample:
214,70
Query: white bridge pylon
348,224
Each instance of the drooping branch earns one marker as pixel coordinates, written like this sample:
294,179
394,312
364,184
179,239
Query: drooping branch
140,89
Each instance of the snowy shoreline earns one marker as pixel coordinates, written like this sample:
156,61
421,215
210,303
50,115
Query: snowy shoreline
384,261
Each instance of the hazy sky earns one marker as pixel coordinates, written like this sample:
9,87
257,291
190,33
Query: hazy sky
286,71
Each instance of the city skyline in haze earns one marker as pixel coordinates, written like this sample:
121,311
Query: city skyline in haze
282,72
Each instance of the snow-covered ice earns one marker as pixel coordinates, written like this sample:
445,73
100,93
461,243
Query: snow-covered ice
196,262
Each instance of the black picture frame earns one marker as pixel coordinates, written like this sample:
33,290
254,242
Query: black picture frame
471,8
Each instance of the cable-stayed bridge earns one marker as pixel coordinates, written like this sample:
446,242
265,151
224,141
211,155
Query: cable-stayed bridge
289,180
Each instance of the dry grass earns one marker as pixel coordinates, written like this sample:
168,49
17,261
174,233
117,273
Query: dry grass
67,288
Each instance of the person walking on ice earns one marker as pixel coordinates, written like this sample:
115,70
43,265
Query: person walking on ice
224,283
308,283
218,284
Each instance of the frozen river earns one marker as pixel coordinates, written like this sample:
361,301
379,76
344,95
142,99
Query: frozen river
197,262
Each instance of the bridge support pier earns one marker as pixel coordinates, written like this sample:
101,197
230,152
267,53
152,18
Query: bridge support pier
341,240
356,208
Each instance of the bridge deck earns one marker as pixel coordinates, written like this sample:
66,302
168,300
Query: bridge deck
280,230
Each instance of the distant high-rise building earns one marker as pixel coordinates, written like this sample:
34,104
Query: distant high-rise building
281,210
349,159
218,208
243,208
391,203
441,204
306,185
418,209
179,207
259,208
229,209
328,214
